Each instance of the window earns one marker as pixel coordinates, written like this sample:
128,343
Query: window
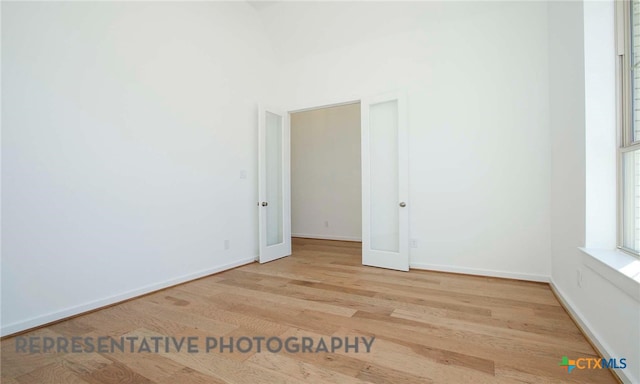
629,152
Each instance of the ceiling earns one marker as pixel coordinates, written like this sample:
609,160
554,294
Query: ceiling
261,4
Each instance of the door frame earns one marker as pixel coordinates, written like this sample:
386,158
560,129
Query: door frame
347,101
321,105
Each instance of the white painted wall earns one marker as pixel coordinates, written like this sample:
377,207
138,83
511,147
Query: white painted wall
125,127
477,84
326,183
582,125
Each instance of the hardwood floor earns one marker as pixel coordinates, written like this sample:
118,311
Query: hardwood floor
429,327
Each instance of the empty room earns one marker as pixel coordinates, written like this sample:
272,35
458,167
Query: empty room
320,191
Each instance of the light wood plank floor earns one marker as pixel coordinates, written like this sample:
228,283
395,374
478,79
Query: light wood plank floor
430,328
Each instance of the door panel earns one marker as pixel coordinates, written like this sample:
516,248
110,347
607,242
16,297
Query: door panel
274,184
273,179
385,234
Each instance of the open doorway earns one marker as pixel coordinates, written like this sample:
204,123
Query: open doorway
326,176
322,204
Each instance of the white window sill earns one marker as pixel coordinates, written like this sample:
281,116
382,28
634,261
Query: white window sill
619,268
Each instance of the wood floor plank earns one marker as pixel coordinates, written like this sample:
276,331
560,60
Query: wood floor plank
54,373
257,290
84,363
152,366
115,373
348,365
301,370
394,357
379,375
15,364
191,376
572,341
429,327
315,296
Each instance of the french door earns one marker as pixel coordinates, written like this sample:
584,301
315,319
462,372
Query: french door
274,184
385,184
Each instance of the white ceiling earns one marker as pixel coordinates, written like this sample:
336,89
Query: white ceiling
261,4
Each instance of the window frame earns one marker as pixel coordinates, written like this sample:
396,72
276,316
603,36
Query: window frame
625,127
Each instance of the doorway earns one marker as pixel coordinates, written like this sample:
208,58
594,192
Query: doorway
384,222
326,175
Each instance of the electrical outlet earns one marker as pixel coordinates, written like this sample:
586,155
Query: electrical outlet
413,243
227,244
579,277
243,174
326,224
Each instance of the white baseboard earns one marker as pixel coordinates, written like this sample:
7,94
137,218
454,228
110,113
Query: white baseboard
603,349
327,237
480,272
38,321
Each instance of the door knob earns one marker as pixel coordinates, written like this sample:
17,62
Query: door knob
403,204
264,203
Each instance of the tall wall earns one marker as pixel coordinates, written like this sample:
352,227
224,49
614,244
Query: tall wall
477,87
582,121
125,128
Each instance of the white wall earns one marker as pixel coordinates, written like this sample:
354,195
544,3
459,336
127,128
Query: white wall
326,182
477,83
125,127
583,145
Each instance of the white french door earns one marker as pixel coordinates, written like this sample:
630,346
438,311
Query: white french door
385,184
274,184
